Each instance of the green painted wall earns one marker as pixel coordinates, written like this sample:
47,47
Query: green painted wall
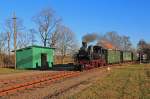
113,56
31,56
37,56
24,59
127,56
135,57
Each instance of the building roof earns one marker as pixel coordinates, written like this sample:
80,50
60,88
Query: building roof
29,47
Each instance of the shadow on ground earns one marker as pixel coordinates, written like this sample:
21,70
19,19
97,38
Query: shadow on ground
64,67
57,67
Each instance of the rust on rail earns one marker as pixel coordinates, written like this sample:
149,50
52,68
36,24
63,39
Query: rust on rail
46,80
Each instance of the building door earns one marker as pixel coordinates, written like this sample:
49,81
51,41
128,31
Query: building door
44,61
121,57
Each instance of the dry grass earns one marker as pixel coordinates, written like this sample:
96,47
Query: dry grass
130,82
9,71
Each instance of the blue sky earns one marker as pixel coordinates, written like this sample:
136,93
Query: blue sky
127,17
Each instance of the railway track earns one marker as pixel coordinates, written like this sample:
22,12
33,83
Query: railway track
63,90
39,80
35,83
9,81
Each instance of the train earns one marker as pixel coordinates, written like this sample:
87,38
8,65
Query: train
89,57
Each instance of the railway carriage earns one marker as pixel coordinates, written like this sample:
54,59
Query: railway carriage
113,56
127,56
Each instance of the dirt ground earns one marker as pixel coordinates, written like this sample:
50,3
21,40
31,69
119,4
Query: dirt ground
62,88
27,73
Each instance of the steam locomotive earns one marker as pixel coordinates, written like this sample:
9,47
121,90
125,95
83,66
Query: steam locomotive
89,57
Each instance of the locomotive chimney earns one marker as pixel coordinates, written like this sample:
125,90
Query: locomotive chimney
84,45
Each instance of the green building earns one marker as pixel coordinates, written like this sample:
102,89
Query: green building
34,57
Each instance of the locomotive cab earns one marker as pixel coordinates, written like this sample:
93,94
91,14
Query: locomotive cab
98,52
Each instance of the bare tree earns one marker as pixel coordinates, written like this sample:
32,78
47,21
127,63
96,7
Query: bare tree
66,42
8,29
142,44
118,41
3,39
23,39
32,37
53,39
114,38
46,22
55,36
13,26
126,43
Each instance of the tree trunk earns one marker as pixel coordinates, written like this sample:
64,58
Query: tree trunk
44,43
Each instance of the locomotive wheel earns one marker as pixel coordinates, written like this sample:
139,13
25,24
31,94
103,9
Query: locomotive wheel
99,64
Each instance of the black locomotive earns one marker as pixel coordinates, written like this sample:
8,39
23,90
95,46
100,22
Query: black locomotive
90,57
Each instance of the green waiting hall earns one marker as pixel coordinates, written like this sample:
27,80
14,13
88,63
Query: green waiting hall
35,57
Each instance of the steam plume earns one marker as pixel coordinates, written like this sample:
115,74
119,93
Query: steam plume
90,37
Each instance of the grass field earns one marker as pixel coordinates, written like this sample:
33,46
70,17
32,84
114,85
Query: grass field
128,82
9,71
